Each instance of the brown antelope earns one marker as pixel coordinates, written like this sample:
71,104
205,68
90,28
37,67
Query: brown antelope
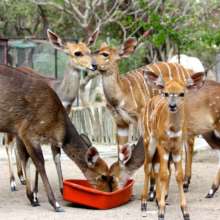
131,158
195,65
202,115
121,91
32,111
126,95
66,89
165,129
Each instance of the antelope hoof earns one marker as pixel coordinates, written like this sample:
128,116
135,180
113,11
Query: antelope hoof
185,214
209,196
22,180
186,187
211,192
13,189
59,209
160,217
186,184
13,186
35,203
186,217
152,195
144,208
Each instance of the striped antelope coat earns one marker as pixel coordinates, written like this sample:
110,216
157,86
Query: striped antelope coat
135,91
165,130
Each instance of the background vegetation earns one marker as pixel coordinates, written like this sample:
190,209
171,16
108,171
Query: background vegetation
186,26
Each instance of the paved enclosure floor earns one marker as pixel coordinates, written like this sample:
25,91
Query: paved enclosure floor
15,206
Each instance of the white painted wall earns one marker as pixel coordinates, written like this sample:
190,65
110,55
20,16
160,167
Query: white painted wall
188,62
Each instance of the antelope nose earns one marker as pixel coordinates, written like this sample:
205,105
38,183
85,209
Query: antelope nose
172,107
94,66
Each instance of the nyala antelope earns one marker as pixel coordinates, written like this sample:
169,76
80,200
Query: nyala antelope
126,95
195,65
67,90
32,111
202,113
162,69
165,130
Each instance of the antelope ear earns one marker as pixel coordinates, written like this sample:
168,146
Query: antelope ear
128,47
55,40
153,79
125,153
196,80
92,39
91,157
103,45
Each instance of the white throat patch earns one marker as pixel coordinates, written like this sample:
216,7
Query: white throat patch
173,134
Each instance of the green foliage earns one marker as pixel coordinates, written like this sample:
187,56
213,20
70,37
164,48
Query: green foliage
134,61
191,26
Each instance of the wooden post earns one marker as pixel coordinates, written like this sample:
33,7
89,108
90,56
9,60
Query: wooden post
218,67
6,52
55,64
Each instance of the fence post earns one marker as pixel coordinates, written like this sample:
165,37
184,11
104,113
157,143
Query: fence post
55,61
218,67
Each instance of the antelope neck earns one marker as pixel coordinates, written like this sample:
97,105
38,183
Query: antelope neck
74,146
111,86
175,123
68,88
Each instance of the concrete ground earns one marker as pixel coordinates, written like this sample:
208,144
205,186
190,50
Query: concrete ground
15,206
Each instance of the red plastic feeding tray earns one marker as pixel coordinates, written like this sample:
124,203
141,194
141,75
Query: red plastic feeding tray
81,192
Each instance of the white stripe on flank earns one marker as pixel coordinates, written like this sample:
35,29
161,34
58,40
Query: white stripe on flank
150,69
169,71
158,68
182,73
160,106
187,74
155,110
132,95
138,85
147,118
177,71
145,85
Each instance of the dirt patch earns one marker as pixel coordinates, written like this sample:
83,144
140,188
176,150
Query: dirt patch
15,206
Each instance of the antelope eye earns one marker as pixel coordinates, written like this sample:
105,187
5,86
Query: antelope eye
181,94
78,54
104,178
166,94
105,54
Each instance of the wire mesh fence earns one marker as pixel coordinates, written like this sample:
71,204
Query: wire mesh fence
39,55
